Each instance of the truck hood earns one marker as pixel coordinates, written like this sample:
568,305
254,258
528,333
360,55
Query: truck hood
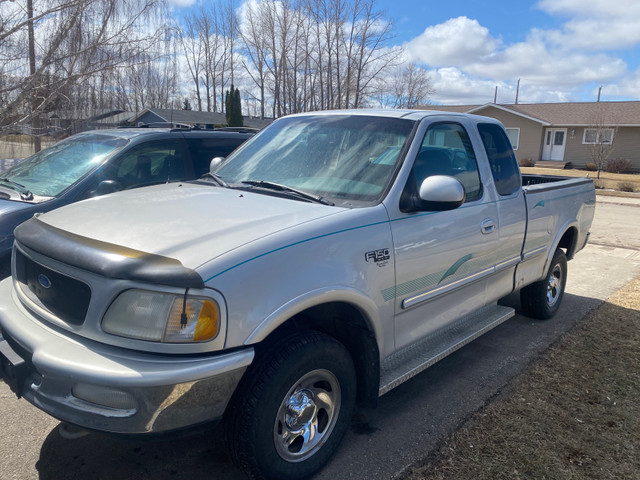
190,222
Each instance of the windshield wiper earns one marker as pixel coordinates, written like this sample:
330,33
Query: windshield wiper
24,192
283,188
218,179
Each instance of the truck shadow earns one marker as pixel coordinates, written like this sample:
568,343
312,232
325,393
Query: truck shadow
409,423
97,456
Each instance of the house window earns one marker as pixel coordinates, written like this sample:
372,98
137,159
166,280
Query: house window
594,136
514,136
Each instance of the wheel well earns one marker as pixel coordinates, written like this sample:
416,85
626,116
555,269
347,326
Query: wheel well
568,242
346,324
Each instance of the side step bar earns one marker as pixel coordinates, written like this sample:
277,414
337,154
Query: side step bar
408,362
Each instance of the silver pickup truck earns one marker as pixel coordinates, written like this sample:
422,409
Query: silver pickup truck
329,259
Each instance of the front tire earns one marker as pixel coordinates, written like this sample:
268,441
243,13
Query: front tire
292,408
542,299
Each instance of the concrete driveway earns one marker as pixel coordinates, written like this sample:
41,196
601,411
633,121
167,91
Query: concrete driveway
409,422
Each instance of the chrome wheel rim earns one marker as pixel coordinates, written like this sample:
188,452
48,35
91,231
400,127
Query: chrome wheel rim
307,416
554,285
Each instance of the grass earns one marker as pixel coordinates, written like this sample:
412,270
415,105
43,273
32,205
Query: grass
607,180
575,415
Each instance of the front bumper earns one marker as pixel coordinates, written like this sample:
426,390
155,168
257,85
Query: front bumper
111,389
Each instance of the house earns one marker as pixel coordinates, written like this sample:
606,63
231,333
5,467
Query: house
566,133
192,118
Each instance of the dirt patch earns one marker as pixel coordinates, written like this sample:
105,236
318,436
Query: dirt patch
575,415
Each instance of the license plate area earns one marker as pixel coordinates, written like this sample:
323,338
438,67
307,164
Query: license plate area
13,368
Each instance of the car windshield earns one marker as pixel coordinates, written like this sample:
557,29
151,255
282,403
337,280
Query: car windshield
52,170
344,158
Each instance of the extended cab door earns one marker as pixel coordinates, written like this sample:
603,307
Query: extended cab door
443,258
512,211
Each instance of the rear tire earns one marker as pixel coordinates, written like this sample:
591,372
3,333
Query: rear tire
292,408
542,299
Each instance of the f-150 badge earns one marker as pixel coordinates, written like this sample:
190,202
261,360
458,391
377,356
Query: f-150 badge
379,257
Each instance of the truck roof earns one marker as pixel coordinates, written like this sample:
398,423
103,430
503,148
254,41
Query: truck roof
390,113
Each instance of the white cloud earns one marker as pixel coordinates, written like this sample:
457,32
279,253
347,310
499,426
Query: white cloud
628,87
542,65
454,87
595,24
554,65
591,8
456,41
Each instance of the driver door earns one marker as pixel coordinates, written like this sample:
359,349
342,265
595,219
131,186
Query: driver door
443,258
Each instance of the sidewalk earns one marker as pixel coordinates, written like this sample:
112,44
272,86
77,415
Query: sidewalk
626,199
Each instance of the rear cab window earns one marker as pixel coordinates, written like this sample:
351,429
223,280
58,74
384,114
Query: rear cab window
504,166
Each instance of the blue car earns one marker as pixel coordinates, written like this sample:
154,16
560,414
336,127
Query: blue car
105,161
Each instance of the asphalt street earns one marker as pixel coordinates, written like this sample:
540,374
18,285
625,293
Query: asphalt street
409,422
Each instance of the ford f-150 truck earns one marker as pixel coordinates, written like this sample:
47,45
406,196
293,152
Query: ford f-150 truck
327,260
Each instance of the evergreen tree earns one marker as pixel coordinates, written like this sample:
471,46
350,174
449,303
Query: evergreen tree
233,107
227,105
186,104
237,109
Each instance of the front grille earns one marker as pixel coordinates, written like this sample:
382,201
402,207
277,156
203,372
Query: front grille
65,297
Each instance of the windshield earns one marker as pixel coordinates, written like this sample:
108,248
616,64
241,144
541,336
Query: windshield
344,158
49,172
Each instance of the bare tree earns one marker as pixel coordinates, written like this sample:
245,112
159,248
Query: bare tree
600,135
193,50
255,50
409,87
72,42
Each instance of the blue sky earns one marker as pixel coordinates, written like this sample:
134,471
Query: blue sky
561,50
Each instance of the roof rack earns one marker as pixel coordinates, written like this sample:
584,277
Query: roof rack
181,127
173,126
238,129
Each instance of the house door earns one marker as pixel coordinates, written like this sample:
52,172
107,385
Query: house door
555,140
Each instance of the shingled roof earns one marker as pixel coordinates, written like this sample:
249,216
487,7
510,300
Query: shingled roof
193,117
562,114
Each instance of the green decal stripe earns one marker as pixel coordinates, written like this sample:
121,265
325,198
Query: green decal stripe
294,244
454,268
462,268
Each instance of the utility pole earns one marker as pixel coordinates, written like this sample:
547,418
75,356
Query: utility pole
495,95
517,91
599,91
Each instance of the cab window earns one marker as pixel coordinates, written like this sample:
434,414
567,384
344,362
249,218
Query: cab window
446,150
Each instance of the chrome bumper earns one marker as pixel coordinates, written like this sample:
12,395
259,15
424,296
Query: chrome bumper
110,389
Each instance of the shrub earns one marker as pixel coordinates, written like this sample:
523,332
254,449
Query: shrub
626,187
598,185
618,165
526,162
592,167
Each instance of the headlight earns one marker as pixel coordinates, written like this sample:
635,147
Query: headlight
158,317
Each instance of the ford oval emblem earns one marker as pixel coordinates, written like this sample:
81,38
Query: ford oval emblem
44,281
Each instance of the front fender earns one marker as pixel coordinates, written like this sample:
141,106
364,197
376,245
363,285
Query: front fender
317,297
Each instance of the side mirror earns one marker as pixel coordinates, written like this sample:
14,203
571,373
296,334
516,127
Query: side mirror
440,192
215,161
107,186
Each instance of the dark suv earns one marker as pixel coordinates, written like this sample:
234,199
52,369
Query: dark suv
104,161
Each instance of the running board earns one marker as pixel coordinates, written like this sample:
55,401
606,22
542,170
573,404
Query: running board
408,362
